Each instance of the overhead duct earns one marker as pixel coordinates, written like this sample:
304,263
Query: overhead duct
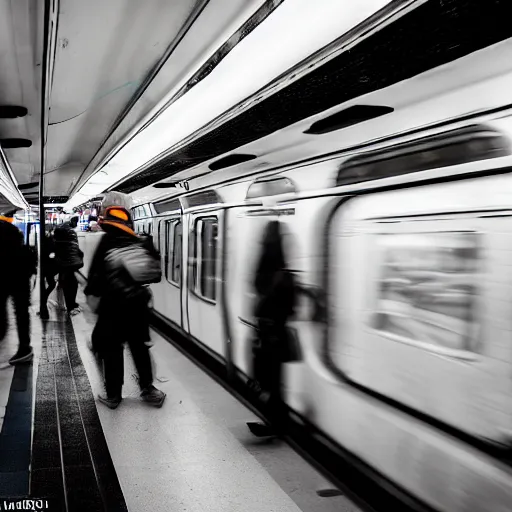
230,161
348,117
15,143
12,112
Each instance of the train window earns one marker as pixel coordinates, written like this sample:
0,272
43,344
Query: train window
173,251
270,187
167,206
156,240
427,288
206,258
460,146
168,247
176,253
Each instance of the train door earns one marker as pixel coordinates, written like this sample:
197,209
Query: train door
204,291
171,236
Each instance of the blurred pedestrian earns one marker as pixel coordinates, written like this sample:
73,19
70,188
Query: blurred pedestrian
17,266
69,259
50,269
276,297
119,274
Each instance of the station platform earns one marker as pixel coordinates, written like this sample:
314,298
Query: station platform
58,443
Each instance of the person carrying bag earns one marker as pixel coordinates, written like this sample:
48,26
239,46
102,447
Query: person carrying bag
120,274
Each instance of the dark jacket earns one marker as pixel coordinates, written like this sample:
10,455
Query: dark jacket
98,279
68,255
278,302
118,319
16,263
273,283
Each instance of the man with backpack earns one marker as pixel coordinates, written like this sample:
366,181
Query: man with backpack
121,270
17,266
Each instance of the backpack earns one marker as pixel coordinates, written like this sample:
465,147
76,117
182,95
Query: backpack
130,269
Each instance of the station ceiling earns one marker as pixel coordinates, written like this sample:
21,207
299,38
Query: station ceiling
109,64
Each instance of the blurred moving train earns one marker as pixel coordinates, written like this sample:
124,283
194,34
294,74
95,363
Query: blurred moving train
406,335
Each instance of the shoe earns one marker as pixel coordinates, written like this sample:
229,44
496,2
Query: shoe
24,355
261,430
111,403
153,396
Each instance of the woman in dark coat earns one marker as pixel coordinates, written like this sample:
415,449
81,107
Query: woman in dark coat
275,289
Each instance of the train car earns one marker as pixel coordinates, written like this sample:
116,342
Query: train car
142,220
405,248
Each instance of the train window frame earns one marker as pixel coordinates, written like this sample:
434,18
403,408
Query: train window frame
196,281
170,227
472,346
158,230
172,280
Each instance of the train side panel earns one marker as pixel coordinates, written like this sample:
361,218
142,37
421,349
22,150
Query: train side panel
472,392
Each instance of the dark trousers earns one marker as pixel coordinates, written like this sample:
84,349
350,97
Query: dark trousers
51,284
69,284
20,293
113,366
268,368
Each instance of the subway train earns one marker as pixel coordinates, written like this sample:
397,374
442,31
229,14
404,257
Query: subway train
405,249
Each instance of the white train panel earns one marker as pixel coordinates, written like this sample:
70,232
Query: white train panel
408,307
416,371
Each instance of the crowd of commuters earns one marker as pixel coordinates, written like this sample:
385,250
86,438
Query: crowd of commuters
117,284
123,267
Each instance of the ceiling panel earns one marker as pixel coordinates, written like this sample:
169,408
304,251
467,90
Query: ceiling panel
20,81
104,51
214,22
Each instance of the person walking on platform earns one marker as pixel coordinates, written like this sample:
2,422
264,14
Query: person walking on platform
50,267
69,259
276,297
16,269
119,274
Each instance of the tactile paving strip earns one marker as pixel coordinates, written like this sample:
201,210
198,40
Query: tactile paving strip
16,436
71,463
